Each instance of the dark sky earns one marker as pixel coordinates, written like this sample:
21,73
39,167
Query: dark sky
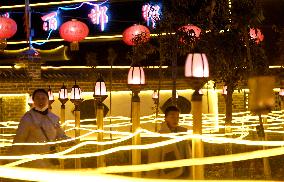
122,14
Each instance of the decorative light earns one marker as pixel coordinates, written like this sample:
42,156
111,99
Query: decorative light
196,65
98,16
76,93
151,13
136,76
100,87
281,92
136,34
63,93
224,90
50,94
189,30
30,101
74,31
256,34
8,27
155,95
49,21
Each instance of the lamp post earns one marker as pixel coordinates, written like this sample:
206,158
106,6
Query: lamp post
100,95
63,98
136,79
197,73
76,99
50,98
155,97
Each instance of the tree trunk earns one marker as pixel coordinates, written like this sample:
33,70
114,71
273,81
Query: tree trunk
228,129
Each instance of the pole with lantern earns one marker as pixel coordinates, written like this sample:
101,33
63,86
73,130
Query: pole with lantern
100,95
50,98
63,98
76,99
136,79
197,73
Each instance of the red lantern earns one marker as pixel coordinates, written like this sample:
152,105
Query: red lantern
136,34
8,27
74,31
190,30
256,34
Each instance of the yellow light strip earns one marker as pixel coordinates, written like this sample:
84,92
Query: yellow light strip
193,161
99,67
46,4
82,175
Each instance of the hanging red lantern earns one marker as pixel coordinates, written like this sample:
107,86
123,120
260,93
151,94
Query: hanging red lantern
256,34
8,28
74,31
136,34
190,30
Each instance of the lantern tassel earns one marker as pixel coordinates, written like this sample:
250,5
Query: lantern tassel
74,46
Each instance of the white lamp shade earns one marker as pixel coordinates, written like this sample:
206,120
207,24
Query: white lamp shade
196,65
50,95
30,101
176,95
136,76
281,92
155,95
224,90
63,93
100,88
76,93
200,91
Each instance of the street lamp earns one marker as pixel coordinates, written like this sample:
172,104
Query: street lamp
76,99
155,97
63,98
136,80
100,95
50,97
197,73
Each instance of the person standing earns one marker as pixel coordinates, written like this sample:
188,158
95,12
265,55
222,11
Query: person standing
176,151
38,125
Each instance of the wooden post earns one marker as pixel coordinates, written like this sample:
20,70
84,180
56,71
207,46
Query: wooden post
62,120
77,134
100,136
266,165
136,140
197,144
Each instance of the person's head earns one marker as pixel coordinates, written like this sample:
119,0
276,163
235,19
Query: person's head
172,116
40,98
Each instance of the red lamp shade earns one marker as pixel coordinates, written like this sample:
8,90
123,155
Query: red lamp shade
8,27
136,34
136,76
191,30
256,34
74,31
196,65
